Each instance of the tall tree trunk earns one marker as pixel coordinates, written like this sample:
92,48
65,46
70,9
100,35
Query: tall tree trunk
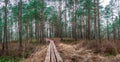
74,22
81,27
42,24
27,36
20,23
107,30
60,19
119,27
65,22
98,21
113,27
39,32
95,19
36,31
88,23
1,34
84,29
0,29
75,34
31,32
119,19
52,30
5,45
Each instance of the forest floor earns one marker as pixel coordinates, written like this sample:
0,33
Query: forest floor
16,55
38,55
73,52
69,51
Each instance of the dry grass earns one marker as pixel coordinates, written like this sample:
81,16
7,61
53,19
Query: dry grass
13,49
78,53
82,51
38,55
105,47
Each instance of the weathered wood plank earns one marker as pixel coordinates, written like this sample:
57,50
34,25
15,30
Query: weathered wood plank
52,53
47,59
53,57
58,58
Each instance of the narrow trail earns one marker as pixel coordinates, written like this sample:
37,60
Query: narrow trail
45,54
52,53
57,51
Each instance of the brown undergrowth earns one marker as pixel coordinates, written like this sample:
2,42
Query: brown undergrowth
15,52
91,51
77,51
38,55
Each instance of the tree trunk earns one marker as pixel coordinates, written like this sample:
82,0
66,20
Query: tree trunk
42,24
81,27
119,19
114,37
107,30
27,38
36,31
60,19
65,22
95,19
88,23
20,23
5,44
31,32
98,21
74,22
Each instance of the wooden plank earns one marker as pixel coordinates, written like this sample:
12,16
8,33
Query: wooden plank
52,53
47,59
58,58
53,57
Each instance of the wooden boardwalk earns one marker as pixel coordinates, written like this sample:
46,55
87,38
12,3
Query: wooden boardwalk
52,53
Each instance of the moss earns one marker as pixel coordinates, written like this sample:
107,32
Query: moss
110,54
9,59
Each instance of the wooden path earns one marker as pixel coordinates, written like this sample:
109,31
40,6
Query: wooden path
52,53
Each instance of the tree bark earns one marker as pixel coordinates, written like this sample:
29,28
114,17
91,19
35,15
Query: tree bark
114,37
65,22
107,30
95,19
81,27
5,44
20,23
119,19
88,23
98,21
60,19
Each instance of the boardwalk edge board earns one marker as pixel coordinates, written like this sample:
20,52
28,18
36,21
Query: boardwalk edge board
52,54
